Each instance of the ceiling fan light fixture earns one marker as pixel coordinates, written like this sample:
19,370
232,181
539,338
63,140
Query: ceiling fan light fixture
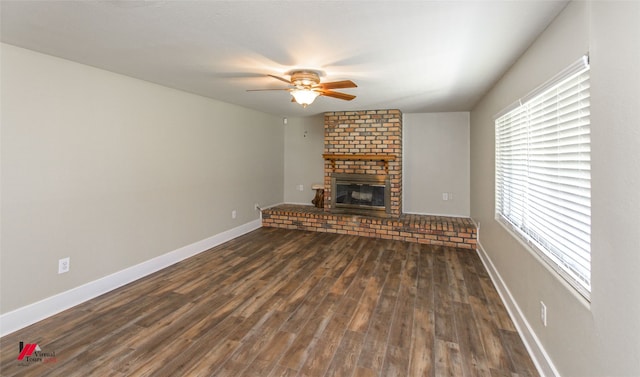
304,97
305,86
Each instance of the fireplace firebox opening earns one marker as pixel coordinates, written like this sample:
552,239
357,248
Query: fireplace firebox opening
361,194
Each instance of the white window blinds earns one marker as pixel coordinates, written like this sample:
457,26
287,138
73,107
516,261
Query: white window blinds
543,173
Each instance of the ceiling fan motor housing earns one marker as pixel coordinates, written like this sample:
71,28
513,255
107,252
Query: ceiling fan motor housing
304,79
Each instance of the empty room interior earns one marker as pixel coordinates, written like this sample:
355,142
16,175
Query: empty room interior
320,188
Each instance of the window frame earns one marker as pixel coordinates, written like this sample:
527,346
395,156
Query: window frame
518,117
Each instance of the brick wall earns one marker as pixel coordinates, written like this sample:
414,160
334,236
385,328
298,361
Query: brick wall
365,132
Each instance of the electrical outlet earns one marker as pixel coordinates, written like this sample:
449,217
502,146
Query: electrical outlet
256,207
233,214
64,265
445,196
543,313
300,187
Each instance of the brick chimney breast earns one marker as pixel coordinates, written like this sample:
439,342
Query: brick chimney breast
371,132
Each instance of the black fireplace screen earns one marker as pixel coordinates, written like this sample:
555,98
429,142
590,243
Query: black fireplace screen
360,194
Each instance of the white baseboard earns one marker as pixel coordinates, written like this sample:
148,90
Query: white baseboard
532,343
306,204
32,313
434,214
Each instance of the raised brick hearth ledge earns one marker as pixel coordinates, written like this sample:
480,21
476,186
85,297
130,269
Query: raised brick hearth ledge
435,230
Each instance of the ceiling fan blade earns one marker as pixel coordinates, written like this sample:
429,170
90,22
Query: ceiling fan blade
337,85
280,78
338,95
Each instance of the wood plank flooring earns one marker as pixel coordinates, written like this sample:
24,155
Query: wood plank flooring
281,302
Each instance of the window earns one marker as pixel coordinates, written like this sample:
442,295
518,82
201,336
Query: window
543,173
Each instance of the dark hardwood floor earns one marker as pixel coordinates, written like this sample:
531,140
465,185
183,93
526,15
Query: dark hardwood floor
289,303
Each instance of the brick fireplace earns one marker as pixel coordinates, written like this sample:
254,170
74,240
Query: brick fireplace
364,143
365,147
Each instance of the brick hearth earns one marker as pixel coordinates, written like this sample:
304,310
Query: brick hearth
434,230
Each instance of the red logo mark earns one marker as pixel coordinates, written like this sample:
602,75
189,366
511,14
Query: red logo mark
27,350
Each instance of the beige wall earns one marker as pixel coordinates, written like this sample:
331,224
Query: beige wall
303,163
436,161
601,338
113,171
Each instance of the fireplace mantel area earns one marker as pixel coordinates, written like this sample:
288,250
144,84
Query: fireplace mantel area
362,156
364,144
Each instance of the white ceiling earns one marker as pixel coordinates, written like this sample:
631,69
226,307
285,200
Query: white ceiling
416,56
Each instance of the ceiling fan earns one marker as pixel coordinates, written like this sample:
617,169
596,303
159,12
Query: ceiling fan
306,86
